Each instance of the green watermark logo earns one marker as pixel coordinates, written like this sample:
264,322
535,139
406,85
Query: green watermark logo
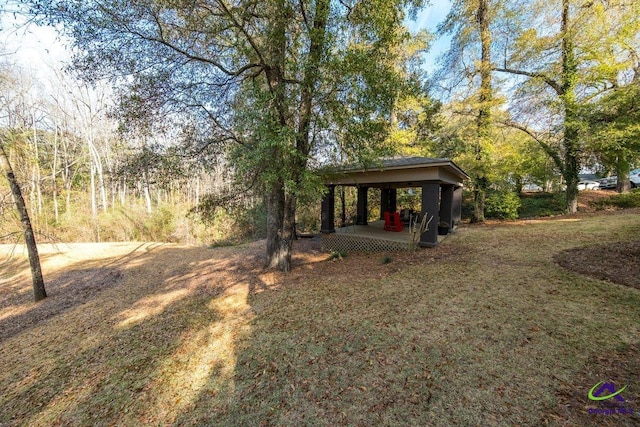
610,387
609,398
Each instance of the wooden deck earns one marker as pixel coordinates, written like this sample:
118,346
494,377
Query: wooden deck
375,229
368,238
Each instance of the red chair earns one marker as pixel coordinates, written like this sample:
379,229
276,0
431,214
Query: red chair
392,221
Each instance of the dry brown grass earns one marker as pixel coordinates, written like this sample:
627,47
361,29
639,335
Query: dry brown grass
484,330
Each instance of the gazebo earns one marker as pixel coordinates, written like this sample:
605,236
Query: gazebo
441,181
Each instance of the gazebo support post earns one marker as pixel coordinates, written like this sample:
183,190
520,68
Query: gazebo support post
362,208
393,200
327,211
446,206
388,201
430,202
457,205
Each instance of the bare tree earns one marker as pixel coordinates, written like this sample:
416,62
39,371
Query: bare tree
39,292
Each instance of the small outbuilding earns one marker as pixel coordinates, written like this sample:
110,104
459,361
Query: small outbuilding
440,180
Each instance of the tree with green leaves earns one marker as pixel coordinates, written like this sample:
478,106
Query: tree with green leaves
414,115
276,78
584,50
613,130
469,59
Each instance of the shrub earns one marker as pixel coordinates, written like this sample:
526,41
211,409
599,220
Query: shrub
337,255
252,223
467,208
501,205
161,226
623,201
542,204
308,218
118,225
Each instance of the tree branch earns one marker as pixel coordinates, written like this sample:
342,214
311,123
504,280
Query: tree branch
231,135
555,85
183,52
304,14
240,27
550,151
193,57
349,8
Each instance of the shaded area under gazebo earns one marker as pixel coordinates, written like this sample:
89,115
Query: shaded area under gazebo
441,183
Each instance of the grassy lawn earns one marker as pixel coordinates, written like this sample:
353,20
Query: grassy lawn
483,330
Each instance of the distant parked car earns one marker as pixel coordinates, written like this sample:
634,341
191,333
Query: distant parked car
612,181
588,185
608,183
634,177
531,188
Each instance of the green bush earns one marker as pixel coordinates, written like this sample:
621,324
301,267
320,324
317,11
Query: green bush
161,226
623,201
542,204
501,205
234,226
467,207
308,218
253,222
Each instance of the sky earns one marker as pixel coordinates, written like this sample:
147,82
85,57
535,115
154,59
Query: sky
33,47
429,18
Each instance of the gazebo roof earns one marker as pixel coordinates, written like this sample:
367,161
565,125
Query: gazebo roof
399,172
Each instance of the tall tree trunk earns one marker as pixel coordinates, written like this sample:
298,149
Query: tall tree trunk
37,178
94,206
67,199
122,185
479,191
622,172
483,122
103,190
147,195
279,238
39,292
97,170
54,172
565,87
518,180
571,125
282,203
67,175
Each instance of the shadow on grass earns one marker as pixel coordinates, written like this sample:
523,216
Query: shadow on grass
14,273
472,341
100,384
66,291
134,341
